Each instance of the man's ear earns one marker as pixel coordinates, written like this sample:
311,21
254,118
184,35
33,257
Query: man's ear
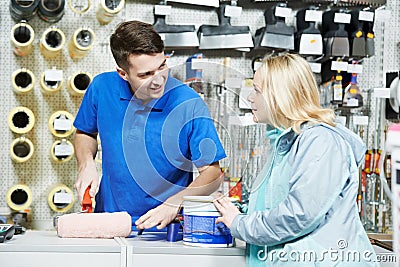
122,73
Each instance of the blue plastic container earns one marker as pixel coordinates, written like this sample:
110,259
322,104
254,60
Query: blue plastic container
200,228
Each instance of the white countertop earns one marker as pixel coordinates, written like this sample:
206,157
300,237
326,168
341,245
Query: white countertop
156,243
48,241
148,243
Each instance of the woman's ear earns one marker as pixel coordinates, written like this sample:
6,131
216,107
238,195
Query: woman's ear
122,73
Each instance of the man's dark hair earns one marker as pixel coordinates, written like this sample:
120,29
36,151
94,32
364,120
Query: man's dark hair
134,38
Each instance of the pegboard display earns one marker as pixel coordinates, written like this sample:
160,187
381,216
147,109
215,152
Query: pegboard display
41,174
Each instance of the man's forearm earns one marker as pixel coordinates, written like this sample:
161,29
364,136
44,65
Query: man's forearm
85,146
206,183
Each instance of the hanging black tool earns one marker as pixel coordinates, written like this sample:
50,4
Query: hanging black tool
369,37
336,39
356,34
276,34
175,36
224,36
308,39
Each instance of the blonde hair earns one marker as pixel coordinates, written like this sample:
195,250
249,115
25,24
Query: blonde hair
291,93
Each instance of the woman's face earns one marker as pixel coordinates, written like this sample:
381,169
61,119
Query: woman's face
257,101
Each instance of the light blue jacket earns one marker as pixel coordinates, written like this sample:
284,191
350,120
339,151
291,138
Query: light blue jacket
302,208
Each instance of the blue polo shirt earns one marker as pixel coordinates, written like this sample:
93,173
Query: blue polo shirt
148,151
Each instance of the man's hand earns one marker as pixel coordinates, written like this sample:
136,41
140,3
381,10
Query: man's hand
85,151
87,176
160,216
227,209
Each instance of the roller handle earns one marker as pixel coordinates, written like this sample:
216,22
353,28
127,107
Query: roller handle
87,201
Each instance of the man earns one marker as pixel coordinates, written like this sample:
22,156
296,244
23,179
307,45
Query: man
152,128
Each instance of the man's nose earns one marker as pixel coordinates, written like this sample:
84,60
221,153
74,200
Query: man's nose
158,79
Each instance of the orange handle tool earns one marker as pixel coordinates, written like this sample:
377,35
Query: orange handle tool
87,201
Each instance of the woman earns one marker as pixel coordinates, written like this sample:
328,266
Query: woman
302,209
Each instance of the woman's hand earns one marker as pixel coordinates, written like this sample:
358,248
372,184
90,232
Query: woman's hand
227,209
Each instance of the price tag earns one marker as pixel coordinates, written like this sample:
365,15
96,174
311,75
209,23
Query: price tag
354,68
53,75
214,3
62,198
352,102
162,10
231,82
245,90
198,63
245,120
342,18
313,15
381,93
360,120
62,125
315,67
339,65
366,16
257,64
284,12
63,150
233,11
383,15
172,62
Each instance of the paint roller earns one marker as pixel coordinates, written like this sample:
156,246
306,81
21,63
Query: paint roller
86,224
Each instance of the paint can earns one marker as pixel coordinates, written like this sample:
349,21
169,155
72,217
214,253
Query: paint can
200,228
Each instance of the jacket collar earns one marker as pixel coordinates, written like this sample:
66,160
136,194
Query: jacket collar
285,141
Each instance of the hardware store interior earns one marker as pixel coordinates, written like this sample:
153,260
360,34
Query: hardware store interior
52,50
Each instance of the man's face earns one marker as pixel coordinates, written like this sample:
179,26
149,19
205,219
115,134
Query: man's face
146,75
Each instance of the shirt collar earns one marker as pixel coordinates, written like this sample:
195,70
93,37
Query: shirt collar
154,104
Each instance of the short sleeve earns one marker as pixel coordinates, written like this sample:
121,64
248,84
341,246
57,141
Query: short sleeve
86,119
205,145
